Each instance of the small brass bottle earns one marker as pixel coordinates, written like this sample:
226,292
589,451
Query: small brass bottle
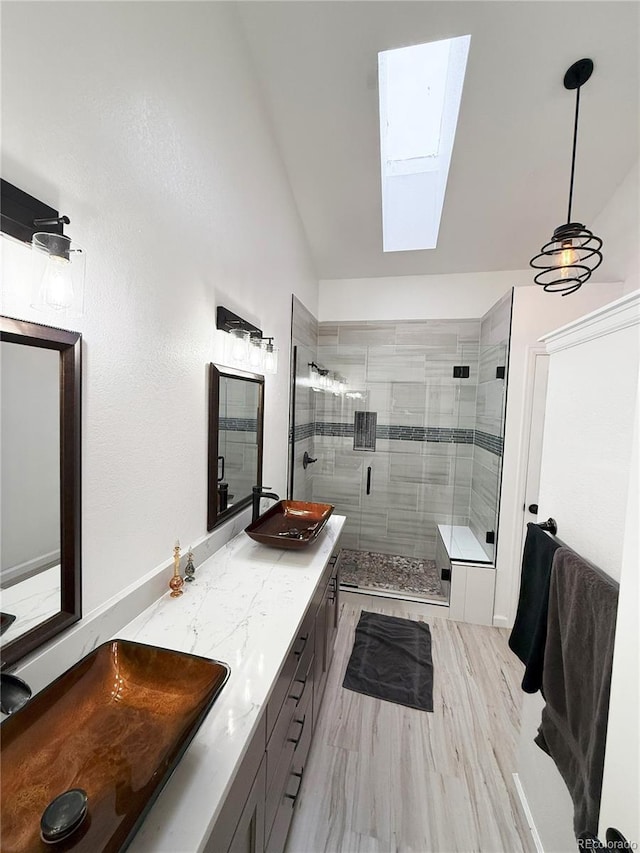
176,583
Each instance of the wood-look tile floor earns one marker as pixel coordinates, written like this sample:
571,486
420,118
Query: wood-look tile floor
382,778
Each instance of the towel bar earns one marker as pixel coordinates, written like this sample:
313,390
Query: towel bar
550,524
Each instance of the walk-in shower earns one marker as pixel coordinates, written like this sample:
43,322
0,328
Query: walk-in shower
405,420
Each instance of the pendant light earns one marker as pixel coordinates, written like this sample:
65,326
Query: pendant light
573,253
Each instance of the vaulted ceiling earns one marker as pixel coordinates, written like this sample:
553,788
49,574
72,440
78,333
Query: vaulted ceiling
508,183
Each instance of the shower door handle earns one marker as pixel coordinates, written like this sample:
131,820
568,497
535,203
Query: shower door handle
369,480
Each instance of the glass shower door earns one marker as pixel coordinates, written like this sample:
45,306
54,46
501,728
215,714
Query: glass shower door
302,453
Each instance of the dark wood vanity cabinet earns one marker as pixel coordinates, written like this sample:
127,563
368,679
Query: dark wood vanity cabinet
326,627
258,811
249,834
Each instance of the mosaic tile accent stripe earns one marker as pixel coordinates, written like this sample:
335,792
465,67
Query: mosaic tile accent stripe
238,424
304,431
329,428
401,433
492,443
447,435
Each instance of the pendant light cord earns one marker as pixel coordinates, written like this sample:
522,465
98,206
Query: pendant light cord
573,154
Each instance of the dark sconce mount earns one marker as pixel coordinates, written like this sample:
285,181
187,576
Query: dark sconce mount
58,263
226,321
573,253
23,215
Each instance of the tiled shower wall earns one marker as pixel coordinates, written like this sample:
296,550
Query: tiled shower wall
487,452
304,337
421,469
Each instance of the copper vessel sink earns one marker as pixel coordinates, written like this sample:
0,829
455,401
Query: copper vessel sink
114,726
290,524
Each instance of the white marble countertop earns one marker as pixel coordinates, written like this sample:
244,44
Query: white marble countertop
244,608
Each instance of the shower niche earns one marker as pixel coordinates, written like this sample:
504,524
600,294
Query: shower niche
408,448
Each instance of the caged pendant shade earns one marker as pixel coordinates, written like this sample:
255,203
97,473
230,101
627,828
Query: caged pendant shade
573,253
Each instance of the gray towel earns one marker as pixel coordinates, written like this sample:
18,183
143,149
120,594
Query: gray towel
576,679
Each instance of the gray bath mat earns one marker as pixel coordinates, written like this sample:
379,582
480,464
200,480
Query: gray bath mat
391,660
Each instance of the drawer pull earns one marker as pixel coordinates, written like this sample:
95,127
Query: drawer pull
297,740
302,681
303,641
294,797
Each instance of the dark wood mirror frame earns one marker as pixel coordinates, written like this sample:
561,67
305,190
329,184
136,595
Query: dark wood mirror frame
68,345
214,518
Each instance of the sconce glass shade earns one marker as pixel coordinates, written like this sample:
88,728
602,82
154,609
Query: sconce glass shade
270,357
239,345
57,274
256,354
568,259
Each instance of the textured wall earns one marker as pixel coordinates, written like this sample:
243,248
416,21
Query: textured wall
154,141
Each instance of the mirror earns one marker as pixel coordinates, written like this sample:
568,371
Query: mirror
235,441
40,481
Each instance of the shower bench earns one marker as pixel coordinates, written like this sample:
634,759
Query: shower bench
472,574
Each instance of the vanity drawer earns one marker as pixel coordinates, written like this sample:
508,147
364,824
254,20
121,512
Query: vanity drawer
282,797
278,823
299,656
292,729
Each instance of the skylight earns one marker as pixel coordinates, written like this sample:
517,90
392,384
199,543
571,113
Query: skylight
420,93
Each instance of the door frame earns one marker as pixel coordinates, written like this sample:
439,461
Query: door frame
533,353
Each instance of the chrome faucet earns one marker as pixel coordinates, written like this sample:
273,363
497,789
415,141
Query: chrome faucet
14,693
258,494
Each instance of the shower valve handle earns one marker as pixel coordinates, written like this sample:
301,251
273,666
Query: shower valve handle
307,460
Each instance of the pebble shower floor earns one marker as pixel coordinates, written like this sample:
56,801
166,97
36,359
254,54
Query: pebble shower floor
369,570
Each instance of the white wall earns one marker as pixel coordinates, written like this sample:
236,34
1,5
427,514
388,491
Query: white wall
618,225
534,314
142,122
425,297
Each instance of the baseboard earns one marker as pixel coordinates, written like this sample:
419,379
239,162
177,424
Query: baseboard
502,622
527,813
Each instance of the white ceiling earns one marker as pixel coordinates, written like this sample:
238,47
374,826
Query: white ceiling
508,183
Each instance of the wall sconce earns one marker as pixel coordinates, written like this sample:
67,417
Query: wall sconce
326,380
57,263
317,376
573,253
245,347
